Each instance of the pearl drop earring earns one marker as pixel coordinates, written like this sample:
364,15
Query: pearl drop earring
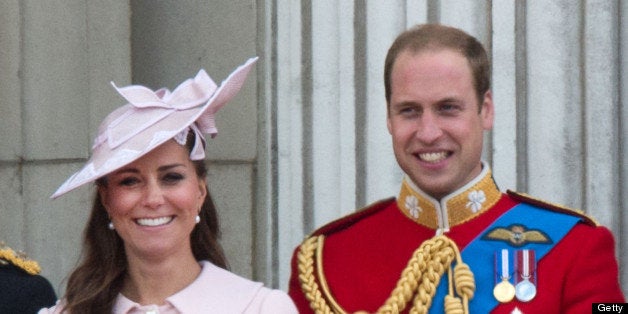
197,218
111,226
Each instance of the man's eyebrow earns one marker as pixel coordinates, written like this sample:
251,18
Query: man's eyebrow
405,103
448,99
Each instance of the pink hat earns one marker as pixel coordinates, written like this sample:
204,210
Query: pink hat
153,117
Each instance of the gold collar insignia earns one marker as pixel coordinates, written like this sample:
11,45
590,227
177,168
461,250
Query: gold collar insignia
458,207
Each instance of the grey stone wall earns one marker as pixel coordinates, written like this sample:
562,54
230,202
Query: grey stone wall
56,64
56,61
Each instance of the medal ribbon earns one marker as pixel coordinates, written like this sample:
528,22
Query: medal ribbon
505,273
479,252
526,266
504,290
525,290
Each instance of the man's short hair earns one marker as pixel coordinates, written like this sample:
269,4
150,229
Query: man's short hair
436,37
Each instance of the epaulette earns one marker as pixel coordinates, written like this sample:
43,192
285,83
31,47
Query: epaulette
19,259
526,198
346,221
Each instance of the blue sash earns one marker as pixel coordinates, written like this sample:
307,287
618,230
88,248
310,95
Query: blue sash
479,254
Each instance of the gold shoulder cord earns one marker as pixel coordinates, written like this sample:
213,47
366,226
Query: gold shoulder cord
18,259
418,280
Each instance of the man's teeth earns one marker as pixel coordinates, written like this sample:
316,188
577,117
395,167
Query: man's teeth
154,221
433,157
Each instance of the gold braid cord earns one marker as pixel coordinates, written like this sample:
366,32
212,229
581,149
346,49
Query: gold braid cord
418,281
309,286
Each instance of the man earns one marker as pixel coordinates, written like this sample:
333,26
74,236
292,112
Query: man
22,289
451,239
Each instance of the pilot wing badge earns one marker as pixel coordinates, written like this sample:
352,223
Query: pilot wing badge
517,235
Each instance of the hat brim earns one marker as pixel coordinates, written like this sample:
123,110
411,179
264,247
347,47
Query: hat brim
105,160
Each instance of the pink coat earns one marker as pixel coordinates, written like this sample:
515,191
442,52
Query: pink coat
214,291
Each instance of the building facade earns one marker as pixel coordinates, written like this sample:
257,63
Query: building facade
305,141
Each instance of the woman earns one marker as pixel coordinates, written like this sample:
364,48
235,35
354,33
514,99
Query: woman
152,239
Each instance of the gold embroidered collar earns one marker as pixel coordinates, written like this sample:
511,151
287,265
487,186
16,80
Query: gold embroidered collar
458,207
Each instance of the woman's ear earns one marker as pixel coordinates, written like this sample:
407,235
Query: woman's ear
102,192
202,187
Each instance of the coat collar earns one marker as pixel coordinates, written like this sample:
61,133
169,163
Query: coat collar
458,207
215,288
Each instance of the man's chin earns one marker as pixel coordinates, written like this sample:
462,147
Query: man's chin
432,187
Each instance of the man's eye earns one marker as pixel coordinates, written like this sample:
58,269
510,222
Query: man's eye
449,107
409,111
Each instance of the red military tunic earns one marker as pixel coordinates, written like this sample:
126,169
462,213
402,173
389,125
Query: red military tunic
365,253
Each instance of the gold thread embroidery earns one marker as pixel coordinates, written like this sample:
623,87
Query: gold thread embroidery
461,207
457,207
18,260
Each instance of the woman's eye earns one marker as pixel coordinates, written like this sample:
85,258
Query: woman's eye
128,181
173,177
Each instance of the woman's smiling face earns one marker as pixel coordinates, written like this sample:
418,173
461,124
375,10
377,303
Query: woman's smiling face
153,202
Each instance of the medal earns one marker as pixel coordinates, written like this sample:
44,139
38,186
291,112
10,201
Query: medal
504,291
525,290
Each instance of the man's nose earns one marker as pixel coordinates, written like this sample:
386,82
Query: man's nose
429,128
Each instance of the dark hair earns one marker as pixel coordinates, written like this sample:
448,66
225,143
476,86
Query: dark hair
95,283
435,37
